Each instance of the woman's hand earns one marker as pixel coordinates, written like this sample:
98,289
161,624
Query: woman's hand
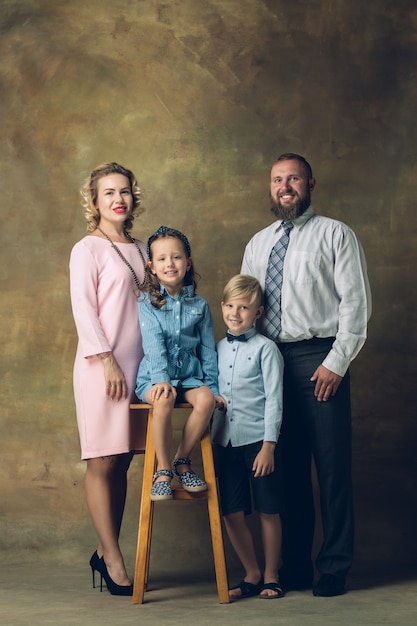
116,387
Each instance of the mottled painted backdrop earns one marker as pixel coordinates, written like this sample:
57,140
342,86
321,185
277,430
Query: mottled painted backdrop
198,97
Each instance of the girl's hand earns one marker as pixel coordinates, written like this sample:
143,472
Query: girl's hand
264,463
116,387
162,390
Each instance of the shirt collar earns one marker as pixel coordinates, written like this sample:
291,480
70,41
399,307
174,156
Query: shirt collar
186,292
249,333
299,222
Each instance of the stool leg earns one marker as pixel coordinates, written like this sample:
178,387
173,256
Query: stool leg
214,518
145,518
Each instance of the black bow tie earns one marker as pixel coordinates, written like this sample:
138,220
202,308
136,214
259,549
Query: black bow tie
231,337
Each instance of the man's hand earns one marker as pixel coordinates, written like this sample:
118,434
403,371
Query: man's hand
327,383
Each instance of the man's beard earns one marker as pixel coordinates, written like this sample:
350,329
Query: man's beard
292,211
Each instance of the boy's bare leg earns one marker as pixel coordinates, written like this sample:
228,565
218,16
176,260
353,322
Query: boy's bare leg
241,540
271,541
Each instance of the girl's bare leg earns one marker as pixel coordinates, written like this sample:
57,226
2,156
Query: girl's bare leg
105,486
203,403
162,431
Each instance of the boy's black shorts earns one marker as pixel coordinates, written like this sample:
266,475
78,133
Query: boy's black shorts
236,480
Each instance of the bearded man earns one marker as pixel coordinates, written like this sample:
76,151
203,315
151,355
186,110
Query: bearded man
317,305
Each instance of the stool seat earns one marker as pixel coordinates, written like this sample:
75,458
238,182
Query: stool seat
178,493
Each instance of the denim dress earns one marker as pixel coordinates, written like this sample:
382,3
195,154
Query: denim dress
178,343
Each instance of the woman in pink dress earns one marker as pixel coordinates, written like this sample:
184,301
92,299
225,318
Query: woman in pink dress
107,271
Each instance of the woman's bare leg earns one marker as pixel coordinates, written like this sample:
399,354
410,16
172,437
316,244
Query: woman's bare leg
105,486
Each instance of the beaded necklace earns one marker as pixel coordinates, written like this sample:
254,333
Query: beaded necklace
139,286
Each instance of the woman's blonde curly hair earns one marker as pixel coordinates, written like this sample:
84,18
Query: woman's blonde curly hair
89,193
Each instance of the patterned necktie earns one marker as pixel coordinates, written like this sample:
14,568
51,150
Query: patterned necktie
273,283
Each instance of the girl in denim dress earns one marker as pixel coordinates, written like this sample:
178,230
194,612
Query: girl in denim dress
180,360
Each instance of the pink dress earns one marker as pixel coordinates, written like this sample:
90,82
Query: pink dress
106,316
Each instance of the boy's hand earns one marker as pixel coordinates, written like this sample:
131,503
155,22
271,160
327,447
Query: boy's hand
264,463
220,403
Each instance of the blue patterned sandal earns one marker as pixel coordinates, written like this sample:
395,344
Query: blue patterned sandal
162,490
189,479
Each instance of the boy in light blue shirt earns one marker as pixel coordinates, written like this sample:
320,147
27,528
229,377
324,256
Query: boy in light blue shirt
246,434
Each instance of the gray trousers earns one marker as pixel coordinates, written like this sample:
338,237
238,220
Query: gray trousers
321,429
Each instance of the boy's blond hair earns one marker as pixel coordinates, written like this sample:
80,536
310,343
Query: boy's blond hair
243,286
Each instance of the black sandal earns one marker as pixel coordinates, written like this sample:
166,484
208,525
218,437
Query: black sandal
247,590
274,587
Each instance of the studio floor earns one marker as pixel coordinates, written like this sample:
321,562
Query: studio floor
54,595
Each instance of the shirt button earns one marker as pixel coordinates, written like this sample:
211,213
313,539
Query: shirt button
178,332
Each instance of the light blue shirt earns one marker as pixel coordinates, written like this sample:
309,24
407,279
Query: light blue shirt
250,380
325,288
178,343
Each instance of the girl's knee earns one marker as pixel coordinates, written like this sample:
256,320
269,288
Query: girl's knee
163,403
205,399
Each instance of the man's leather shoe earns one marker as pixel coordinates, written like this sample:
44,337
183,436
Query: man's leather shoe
295,581
329,586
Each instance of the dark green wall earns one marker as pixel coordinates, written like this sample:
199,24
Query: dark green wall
198,98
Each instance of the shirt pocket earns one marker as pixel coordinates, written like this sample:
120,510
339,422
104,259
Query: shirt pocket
194,312
249,368
303,267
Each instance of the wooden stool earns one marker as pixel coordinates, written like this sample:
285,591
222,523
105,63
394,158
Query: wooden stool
147,509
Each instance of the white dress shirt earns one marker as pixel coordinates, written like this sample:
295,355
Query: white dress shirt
250,380
325,290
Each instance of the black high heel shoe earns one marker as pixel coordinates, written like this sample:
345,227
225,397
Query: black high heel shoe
96,562
112,587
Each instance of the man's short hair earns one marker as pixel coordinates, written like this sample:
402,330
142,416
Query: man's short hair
291,156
